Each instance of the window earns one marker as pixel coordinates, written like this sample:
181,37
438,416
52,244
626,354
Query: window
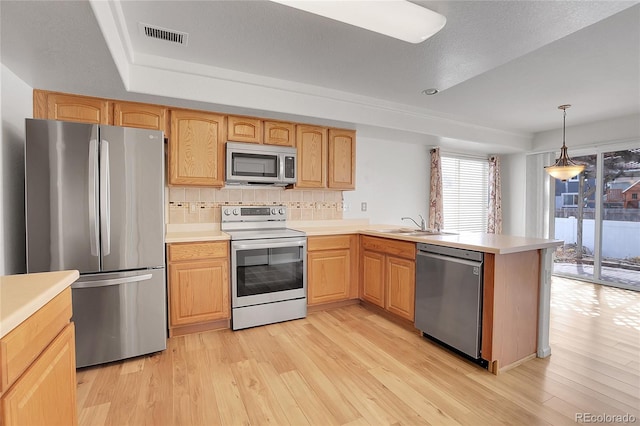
570,199
634,196
465,193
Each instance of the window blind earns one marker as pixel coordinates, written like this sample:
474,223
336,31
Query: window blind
465,193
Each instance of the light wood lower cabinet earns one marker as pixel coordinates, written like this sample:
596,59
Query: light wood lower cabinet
331,269
510,308
198,286
38,368
388,275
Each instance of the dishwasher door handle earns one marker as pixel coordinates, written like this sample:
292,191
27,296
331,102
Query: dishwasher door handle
450,259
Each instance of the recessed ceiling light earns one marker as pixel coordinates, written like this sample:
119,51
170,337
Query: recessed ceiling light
395,18
430,91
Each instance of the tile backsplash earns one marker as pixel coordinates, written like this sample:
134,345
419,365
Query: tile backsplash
203,205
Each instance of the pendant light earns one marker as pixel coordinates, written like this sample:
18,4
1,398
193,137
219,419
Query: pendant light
564,168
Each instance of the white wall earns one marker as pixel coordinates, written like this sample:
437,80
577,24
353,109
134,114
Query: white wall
16,105
591,134
392,178
512,168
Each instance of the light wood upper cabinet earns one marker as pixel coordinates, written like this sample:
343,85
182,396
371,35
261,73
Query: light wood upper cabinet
312,156
244,129
144,116
326,157
279,133
196,148
331,268
60,106
342,159
198,284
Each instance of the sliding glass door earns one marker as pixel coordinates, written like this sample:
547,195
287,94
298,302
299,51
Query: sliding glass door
598,216
575,220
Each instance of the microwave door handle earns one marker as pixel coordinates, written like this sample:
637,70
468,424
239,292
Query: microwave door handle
281,160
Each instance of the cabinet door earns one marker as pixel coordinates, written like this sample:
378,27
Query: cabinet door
196,148
373,278
312,156
244,129
77,108
198,292
279,133
329,276
46,393
144,116
401,284
342,159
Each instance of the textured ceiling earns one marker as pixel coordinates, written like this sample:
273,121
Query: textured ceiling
499,64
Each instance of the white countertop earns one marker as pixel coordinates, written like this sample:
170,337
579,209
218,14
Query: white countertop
188,233
22,295
478,241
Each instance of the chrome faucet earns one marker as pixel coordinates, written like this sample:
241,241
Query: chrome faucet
422,225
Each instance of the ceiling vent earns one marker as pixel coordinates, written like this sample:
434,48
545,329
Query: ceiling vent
166,34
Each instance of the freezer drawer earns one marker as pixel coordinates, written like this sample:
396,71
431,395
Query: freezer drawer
119,315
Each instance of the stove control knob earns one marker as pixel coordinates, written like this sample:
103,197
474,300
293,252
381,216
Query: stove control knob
236,212
273,212
281,211
227,212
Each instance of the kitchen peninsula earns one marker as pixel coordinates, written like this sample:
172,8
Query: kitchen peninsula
515,295
37,349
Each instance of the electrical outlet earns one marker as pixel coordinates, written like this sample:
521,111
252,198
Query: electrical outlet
192,207
363,206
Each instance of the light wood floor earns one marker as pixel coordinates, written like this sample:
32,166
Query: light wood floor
351,366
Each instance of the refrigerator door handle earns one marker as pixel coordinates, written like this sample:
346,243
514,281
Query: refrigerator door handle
105,198
112,281
93,198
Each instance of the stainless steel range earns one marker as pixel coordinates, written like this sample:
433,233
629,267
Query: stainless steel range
268,266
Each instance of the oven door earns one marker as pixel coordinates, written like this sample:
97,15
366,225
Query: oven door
268,270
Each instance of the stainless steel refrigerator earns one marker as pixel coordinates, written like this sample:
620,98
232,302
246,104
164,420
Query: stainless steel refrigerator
94,199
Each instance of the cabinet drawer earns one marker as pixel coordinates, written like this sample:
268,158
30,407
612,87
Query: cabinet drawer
25,343
389,246
329,242
194,251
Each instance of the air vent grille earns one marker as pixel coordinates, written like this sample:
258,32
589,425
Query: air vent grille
165,34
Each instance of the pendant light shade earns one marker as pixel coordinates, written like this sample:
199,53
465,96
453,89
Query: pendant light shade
564,168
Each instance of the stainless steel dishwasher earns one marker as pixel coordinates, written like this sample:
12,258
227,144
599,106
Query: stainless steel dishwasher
449,297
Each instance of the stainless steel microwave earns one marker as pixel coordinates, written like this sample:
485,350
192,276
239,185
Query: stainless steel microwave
255,164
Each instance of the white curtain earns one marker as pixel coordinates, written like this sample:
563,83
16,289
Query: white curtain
494,225
435,195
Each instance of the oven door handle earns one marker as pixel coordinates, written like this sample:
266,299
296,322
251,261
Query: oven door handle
253,246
